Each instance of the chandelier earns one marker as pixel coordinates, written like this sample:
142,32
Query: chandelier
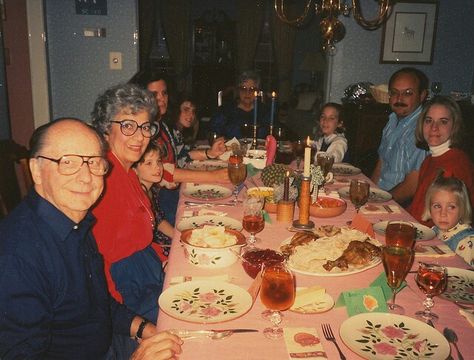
332,29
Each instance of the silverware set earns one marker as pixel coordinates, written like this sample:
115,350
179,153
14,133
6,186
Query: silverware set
208,334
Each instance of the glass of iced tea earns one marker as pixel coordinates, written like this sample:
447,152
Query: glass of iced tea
400,233
359,192
432,280
397,262
277,293
253,221
237,172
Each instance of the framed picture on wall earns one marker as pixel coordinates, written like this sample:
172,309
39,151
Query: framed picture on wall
409,33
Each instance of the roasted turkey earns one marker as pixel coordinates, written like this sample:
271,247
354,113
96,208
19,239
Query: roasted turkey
357,253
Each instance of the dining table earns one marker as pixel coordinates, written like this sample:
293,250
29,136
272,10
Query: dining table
254,345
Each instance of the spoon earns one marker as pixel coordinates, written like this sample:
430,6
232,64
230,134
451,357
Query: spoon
451,336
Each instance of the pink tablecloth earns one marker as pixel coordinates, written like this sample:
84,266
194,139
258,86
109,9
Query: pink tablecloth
255,345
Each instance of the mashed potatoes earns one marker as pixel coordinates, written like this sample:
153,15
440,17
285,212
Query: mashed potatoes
211,237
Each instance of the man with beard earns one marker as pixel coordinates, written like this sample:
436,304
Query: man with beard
399,158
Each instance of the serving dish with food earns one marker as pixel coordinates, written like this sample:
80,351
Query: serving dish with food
326,207
331,251
212,246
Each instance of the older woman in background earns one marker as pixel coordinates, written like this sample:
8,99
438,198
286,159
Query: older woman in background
124,230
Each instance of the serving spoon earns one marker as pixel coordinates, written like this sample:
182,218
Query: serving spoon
451,336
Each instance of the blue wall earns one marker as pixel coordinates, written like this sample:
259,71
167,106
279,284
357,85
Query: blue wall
78,65
357,56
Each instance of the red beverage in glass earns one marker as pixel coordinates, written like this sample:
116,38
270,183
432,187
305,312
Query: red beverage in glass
430,281
253,223
237,173
278,289
396,262
400,234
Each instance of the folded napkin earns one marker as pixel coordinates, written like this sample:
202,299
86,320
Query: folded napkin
202,212
180,279
252,170
359,222
379,209
468,314
303,343
229,144
435,251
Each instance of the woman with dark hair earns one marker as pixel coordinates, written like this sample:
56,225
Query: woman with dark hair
439,130
230,118
173,175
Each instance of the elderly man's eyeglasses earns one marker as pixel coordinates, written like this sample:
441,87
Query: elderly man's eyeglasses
71,164
404,93
130,127
248,89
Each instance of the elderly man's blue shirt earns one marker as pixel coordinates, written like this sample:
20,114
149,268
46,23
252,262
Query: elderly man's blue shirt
54,301
398,150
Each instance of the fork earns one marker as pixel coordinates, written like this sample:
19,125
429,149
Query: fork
328,334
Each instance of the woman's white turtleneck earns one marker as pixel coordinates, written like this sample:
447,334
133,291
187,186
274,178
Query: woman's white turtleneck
440,149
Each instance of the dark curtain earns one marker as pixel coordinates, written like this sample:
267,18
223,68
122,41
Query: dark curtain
147,10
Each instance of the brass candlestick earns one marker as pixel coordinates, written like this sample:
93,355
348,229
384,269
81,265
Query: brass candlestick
254,139
303,221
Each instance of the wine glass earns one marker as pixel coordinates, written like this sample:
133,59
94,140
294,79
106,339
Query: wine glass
359,193
432,280
397,262
277,293
212,136
298,151
252,220
436,87
325,161
400,233
237,172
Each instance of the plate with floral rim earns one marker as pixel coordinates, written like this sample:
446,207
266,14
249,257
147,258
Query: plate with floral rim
375,196
207,192
423,232
345,169
460,286
382,336
207,165
198,221
205,302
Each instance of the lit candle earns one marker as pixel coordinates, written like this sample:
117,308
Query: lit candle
255,108
307,158
286,187
272,110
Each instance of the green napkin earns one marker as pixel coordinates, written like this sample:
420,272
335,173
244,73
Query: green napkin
381,281
266,217
252,170
366,300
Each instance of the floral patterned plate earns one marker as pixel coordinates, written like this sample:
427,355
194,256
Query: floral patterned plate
198,221
207,192
388,336
376,195
205,301
460,286
207,165
345,169
422,232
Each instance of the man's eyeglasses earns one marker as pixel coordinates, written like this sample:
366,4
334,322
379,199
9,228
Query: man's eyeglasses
71,164
248,89
404,93
130,127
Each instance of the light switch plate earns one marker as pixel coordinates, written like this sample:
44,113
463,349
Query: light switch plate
115,60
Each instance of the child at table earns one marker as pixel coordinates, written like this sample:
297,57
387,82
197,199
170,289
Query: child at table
447,204
149,170
331,131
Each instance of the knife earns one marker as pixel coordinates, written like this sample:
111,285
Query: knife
212,334
236,330
195,203
438,250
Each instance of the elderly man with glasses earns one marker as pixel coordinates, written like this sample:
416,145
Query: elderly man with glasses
231,118
399,160
54,302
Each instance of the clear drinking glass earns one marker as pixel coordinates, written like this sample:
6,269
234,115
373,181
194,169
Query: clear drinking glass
359,191
298,151
397,262
400,233
253,221
277,293
237,172
432,280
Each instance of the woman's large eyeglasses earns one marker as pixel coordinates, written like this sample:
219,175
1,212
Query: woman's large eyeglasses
130,127
71,164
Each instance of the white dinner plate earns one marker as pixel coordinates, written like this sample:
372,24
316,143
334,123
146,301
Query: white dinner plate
207,192
376,195
197,221
205,301
345,169
381,336
422,232
460,286
322,304
334,271
207,165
